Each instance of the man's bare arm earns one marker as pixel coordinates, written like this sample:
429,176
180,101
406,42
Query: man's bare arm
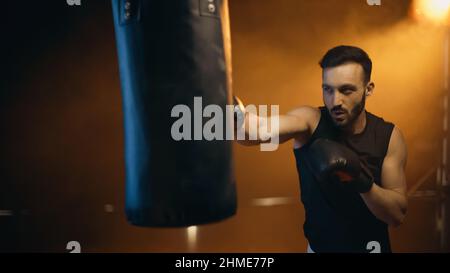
389,202
295,123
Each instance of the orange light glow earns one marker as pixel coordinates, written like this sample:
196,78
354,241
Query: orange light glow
436,11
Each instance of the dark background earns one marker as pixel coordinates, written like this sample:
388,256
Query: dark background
61,149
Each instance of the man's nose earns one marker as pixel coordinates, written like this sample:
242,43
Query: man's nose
337,98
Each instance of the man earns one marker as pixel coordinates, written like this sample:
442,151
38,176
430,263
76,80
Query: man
350,162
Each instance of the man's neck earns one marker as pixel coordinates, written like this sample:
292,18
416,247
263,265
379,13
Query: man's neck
358,125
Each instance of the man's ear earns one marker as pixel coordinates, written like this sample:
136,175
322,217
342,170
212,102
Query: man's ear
369,88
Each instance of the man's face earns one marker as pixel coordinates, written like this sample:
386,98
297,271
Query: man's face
344,92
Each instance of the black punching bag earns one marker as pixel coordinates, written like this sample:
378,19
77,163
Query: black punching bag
170,52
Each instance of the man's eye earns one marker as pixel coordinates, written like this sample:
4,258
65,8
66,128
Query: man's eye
327,89
347,91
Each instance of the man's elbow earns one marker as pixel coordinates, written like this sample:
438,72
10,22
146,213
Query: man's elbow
398,219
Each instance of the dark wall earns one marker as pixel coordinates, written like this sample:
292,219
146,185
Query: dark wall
61,149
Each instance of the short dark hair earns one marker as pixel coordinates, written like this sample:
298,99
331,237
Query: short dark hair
345,54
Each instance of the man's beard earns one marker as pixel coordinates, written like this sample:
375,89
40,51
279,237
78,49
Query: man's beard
354,113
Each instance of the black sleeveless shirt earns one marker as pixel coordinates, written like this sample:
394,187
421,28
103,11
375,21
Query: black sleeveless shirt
338,220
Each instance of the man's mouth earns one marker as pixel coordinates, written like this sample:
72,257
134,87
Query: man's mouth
339,114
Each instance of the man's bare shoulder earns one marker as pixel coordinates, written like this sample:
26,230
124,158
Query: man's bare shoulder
311,117
397,145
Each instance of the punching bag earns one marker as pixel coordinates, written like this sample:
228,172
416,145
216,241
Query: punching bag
170,52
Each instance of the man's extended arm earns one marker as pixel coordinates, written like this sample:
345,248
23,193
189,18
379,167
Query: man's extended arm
292,124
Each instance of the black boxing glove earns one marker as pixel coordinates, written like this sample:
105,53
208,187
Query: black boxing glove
329,159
